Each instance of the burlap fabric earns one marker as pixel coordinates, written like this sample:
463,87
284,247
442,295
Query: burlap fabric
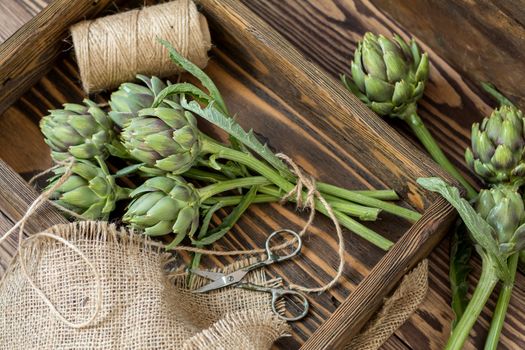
144,307
395,311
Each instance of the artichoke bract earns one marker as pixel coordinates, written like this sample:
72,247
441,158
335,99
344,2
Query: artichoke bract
164,204
81,131
90,191
502,208
130,98
498,146
164,138
388,75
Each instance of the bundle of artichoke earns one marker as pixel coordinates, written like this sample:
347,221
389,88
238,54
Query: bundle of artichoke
150,137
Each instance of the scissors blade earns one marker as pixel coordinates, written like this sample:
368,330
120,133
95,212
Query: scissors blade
207,274
224,281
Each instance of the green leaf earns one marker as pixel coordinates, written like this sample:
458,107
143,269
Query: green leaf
230,126
226,225
480,230
181,88
206,81
460,253
197,73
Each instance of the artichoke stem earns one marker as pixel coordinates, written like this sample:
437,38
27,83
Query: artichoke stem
501,307
356,210
487,282
405,213
424,136
266,171
213,189
386,195
498,96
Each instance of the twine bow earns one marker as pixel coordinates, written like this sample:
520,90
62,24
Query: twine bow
303,201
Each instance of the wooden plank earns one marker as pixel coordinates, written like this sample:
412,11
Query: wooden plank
30,52
348,319
15,14
15,197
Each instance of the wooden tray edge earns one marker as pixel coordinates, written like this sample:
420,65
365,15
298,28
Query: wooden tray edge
37,43
367,298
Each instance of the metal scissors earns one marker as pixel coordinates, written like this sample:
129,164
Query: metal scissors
221,280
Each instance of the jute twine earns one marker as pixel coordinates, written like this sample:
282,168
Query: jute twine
395,311
113,49
303,201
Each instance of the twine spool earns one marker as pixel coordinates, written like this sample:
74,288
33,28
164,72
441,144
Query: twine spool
112,50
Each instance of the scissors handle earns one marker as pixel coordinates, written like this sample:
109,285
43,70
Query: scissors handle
273,257
279,293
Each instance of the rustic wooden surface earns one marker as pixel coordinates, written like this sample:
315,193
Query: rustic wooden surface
326,32
275,91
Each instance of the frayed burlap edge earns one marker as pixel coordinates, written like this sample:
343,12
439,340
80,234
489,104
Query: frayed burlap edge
254,328
395,310
92,231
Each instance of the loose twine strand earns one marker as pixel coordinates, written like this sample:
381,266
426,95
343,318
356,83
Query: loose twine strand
113,49
22,244
303,202
303,181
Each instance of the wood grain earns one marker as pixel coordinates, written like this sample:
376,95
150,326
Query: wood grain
15,14
28,53
325,32
415,245
322,123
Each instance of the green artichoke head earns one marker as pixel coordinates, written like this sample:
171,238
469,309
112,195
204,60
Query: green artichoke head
130,98
498,146
167,139
81,131
389,75
89,191
164,204
502,208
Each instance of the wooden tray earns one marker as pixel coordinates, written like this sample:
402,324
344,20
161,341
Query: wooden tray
295,107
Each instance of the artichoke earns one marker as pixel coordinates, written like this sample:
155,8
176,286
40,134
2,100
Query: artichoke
164,204
388,75
81,131
130,98
498,146
90,191
165,138
502,208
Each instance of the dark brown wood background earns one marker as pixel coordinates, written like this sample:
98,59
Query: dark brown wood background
467,43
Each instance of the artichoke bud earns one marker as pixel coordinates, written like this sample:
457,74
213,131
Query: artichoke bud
130,98
81,131
163,205
498,146
502,208
90,191
164,138
388,75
